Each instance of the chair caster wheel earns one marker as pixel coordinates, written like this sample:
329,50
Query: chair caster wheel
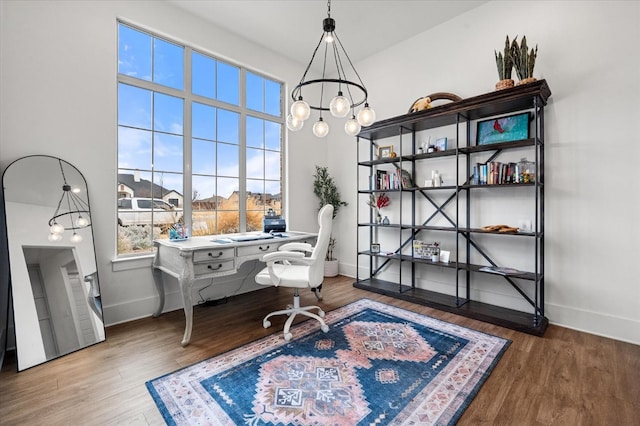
324,328
321,314
266,324
287,336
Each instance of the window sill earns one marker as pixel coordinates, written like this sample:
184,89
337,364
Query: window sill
134,262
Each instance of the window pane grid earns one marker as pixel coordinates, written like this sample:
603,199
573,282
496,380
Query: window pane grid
152,143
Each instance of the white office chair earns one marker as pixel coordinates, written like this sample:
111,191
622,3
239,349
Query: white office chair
289,267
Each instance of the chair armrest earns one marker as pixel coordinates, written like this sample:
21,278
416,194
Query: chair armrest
306,247
282,255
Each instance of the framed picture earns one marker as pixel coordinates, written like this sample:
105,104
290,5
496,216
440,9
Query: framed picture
375,248
503,129
441,144
385,151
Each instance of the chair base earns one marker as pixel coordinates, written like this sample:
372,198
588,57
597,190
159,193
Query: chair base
292,311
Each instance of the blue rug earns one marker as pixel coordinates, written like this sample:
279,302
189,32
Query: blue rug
377,365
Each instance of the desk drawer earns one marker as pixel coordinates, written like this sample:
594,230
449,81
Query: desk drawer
210,267
258,249
212,254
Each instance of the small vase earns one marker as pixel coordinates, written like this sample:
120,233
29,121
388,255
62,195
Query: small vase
385,221
378,218
504,84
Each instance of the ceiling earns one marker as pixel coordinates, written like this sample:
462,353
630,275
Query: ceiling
293,27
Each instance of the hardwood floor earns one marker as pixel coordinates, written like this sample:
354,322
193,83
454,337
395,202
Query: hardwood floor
563,378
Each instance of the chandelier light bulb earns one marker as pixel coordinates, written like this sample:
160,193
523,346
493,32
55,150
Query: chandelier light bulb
339,106
293,123
329,38
82,222
54,237
352,127
300,109
76,238
366,116
56,228
320,128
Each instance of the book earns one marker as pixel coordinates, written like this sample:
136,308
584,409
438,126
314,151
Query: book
500,270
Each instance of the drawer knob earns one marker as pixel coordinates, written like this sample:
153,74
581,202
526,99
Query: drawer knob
263,248
212,255
216,268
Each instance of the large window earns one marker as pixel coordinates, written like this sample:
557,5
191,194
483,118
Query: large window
197,134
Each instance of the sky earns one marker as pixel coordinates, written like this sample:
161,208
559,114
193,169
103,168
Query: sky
147,119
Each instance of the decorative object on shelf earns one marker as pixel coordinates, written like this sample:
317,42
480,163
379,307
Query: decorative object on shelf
405,178
436,179
425,250
378,202
71,214
524,60
504,62
425,101
526,171
386,152
385,221
503,129
354,95
441,144
500,228
375,248
444,256
327,192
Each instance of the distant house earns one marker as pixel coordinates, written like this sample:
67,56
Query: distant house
260,198
133,186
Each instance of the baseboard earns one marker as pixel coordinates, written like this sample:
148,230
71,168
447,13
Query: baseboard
600,324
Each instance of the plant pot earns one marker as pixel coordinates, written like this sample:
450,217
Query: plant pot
331,268
526,81
504,84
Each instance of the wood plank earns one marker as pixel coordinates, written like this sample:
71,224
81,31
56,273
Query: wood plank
565,377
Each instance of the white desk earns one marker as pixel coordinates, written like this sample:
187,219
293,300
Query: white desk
203,258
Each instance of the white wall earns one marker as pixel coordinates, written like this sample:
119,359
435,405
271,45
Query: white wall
588,54
58,97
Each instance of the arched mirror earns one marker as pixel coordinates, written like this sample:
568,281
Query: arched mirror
54,280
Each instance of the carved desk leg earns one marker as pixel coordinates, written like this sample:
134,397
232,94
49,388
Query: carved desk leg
186,284
157,279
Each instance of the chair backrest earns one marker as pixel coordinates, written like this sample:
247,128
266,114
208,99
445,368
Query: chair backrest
316,270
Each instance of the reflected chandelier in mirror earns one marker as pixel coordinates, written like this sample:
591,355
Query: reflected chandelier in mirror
54,281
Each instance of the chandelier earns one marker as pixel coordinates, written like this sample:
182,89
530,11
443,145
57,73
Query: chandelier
349,94
71,214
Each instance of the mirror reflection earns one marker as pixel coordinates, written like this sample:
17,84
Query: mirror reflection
54,280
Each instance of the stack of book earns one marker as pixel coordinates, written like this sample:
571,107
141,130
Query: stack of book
497,173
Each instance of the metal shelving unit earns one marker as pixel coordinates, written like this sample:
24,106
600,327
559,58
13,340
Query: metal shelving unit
528,284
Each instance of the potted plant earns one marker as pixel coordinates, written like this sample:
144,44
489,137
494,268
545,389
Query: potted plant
504,62
327,192
524,61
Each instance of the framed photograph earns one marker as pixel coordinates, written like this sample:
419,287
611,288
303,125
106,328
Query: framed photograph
503,129
441,144
375,248
385,151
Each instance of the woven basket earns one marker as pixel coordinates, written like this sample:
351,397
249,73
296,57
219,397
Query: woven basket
504,84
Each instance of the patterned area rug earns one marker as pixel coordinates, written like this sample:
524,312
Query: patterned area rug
377,365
